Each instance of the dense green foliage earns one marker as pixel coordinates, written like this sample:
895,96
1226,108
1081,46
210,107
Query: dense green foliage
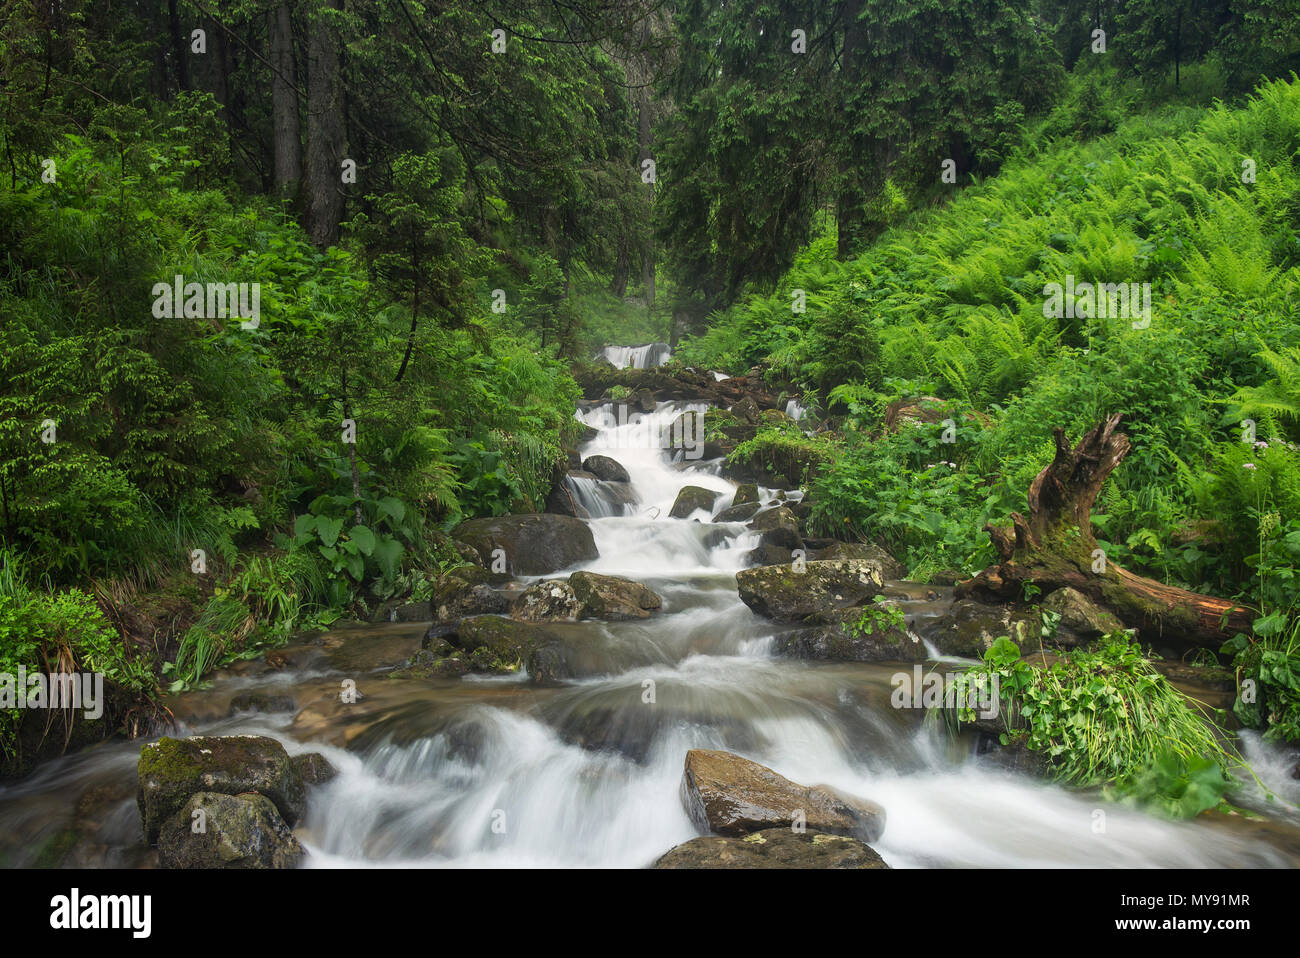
951,305
443,206
1104,716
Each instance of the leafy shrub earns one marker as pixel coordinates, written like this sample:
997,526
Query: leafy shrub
1104,716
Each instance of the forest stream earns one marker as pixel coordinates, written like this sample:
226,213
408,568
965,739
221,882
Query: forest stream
496,771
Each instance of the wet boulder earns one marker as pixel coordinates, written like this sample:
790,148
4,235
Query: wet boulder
533,544
1081,619
490,643
745,492
739,513
773,848
785,594
547,601
314,768
464,591
778,527
969,628
606,469
216,830
890,567
172,769
849,635
767,554
612,597
437,659
692,498
729,795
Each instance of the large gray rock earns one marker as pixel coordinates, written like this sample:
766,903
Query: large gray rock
547,601
786,595
585,595
738,513
691,498
843,635
969,628
890,567
314,768
603,467
216,830
773,848
613,597
1081,619
534,544
730,795
464,591
778,527
173,769
490,643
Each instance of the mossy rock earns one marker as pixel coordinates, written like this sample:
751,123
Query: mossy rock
314,768
497,645
613,597
773,848
216,830
547,601
792,593
533,544
969,628
834,636
173,769
691,499
738,513
890,567
463,591
779,527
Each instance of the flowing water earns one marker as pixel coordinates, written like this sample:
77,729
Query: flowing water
498,772
638,357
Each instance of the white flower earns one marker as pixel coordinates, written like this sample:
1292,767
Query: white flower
1248,465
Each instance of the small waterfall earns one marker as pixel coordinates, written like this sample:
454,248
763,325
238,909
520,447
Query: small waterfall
599,499
795,411
638,357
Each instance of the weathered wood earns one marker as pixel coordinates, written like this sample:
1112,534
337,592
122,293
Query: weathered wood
1054,547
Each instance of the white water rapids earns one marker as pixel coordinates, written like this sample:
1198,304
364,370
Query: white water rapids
499,773
638,357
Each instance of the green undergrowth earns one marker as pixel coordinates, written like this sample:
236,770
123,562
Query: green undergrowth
1104,717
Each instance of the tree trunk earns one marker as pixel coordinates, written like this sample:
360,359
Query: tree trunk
415,313
851,198
284,102
618,284
645,146
326,138
180,47
1054,547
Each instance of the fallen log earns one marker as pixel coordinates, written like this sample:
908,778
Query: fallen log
1054,547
